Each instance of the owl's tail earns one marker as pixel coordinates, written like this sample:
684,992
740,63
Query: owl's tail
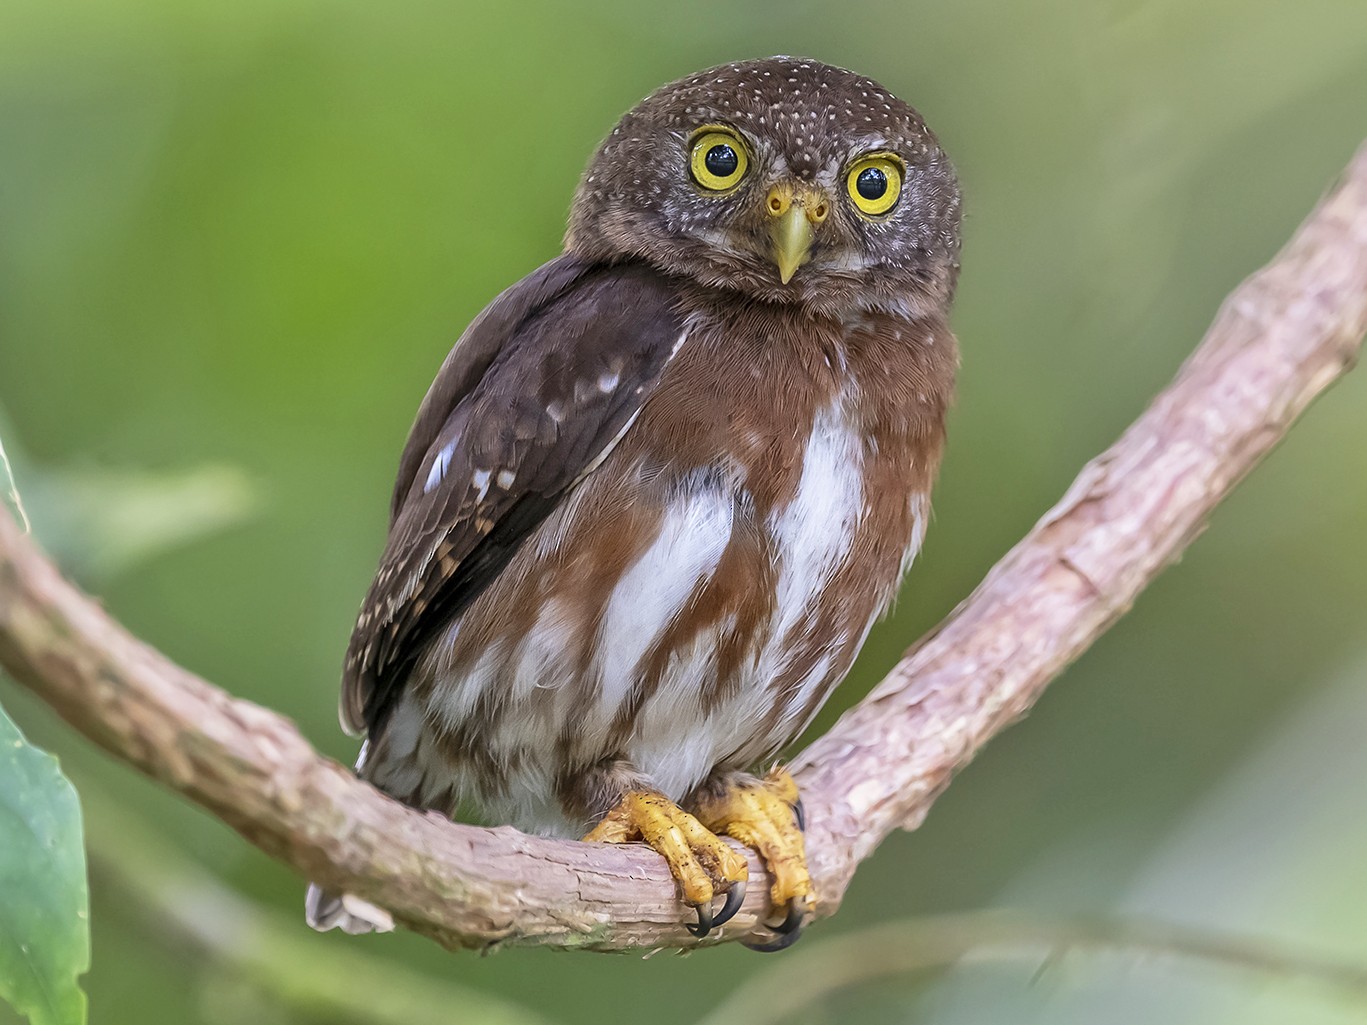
324,910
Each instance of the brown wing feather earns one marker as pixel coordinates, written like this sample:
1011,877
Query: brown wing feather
472,355
545,381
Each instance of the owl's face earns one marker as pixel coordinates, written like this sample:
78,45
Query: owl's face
785,179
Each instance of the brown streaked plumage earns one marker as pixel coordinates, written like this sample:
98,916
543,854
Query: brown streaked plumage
662,487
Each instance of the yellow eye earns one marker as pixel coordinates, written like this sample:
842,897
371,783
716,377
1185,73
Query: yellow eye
718,158
875,182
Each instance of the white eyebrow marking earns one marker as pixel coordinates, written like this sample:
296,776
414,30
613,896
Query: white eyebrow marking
480,481
439,467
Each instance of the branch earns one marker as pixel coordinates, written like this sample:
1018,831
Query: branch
1280,339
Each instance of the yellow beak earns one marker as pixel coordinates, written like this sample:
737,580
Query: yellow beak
792,234
794,211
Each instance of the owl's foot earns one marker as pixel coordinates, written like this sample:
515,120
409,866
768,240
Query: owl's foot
766,815
703,863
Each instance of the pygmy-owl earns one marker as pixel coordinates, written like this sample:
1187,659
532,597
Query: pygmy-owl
662,487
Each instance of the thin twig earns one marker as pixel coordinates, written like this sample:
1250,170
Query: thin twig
1280,339
12,489
901,949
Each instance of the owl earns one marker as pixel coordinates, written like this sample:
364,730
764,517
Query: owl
662,487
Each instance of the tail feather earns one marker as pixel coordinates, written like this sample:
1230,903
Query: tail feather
324,910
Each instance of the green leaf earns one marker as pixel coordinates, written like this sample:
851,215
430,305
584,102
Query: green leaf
44,901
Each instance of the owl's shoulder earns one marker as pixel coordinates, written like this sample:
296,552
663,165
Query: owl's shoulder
554,314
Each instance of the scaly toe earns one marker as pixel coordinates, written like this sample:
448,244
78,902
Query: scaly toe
762,814
702,863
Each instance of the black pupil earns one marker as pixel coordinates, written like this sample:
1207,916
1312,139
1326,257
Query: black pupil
721,160
871,183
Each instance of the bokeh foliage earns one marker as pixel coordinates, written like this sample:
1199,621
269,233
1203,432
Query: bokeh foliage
245,234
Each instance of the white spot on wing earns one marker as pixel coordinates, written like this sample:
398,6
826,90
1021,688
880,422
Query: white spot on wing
597,460
480,482
439,467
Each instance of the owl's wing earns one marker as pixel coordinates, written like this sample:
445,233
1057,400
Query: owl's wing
533,396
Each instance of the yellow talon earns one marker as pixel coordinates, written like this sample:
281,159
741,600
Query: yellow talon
702,862
762,815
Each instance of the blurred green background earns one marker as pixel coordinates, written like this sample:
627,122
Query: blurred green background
237,239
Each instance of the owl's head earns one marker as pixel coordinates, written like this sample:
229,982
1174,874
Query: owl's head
785,179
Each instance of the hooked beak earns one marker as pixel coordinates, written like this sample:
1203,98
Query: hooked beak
794,212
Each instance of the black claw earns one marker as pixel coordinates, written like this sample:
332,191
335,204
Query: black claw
704,925
734,898
780,942
707,921
786,933
792,921
800,815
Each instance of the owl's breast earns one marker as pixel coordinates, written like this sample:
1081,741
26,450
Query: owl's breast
814,444
692,602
